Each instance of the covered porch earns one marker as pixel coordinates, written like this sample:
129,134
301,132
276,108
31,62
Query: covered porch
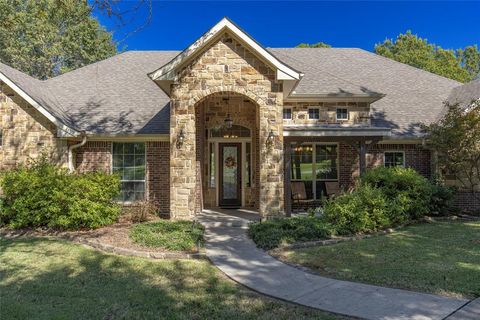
321,161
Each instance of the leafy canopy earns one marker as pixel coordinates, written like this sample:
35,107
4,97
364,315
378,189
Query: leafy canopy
461,64
314,45
44,38
456,137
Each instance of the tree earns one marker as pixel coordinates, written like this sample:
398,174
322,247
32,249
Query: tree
45,38
415,51
456,138
314,45
470,57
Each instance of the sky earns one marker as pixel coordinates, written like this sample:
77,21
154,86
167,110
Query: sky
176,24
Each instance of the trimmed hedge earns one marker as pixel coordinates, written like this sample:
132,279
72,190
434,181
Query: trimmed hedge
45,195
272,233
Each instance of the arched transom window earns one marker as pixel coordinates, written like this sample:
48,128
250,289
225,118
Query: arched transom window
235,131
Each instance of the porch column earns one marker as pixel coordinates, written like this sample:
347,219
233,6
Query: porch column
288,187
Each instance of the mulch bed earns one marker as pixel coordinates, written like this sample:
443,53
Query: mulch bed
113,238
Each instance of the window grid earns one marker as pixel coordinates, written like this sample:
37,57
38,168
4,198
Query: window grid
394,159
128,160
307,155
342,114
313,114
287,113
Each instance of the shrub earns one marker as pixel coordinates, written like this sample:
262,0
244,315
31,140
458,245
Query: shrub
362,210
168,234
44,195
408,191
272,233
141,210
442,198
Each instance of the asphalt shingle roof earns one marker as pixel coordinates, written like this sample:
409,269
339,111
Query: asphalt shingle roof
116,96
465,94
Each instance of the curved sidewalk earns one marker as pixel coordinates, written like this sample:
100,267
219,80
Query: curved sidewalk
230,249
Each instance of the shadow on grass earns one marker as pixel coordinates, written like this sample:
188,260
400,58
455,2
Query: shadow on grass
45,279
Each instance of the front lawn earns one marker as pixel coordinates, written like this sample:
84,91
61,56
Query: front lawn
51,279
440,257
169,235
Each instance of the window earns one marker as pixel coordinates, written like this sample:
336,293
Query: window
287,114
314,114
128,160
235,131
342,114
211,165
314,164
248,164
394,159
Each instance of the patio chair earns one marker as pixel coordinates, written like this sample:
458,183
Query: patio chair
332,188
299,193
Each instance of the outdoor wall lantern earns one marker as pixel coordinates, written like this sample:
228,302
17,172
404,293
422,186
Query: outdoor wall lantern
270,139
180,139
228,121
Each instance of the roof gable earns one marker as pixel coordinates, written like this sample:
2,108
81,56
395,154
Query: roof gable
168,71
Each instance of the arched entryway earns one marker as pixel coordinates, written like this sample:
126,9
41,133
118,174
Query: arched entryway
227,151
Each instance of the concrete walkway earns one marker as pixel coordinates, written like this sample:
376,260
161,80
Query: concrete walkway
230,249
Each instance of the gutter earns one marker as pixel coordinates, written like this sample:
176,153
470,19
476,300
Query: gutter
71,168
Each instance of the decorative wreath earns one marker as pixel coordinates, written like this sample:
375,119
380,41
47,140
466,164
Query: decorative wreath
230,162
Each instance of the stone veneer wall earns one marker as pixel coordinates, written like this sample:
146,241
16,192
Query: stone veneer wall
225,66
26,133
359,113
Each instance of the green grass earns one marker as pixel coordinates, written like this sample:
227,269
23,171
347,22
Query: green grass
168,235
441,258
51,279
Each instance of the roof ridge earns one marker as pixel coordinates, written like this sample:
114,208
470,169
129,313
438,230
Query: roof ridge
407,65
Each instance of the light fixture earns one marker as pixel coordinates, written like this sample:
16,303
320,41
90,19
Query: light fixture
228,121
270,138
180,139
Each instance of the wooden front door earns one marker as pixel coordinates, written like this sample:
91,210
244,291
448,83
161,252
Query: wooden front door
230,193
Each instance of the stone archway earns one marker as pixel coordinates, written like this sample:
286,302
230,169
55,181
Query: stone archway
226,66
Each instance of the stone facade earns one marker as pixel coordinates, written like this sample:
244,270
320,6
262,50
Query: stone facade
358,113
26,133
225,66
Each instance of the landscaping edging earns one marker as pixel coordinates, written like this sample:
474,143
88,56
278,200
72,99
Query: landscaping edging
103,247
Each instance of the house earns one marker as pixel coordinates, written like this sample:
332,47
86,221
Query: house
226,122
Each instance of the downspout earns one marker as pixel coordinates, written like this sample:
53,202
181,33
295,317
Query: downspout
75,146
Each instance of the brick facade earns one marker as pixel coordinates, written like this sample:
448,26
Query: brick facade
467,201
158,172
94,156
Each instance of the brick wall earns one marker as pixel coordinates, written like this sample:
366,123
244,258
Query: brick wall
416,157
94,156
467,201
158,174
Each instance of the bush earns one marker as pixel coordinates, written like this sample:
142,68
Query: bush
363,210
408,192
442,199
272,233
170,235
44,195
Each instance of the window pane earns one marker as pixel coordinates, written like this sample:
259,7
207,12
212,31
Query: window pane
129,160
342,114
139,148
129,148
301,162
393,159
326,162
287,113
212,165
313,114
117,160
248,165
117,148
128,173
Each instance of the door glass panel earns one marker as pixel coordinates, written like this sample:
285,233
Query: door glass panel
230,168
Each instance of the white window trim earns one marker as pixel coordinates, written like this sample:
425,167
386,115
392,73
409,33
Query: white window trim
314,164
145,195
313,108
342,119
394,151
